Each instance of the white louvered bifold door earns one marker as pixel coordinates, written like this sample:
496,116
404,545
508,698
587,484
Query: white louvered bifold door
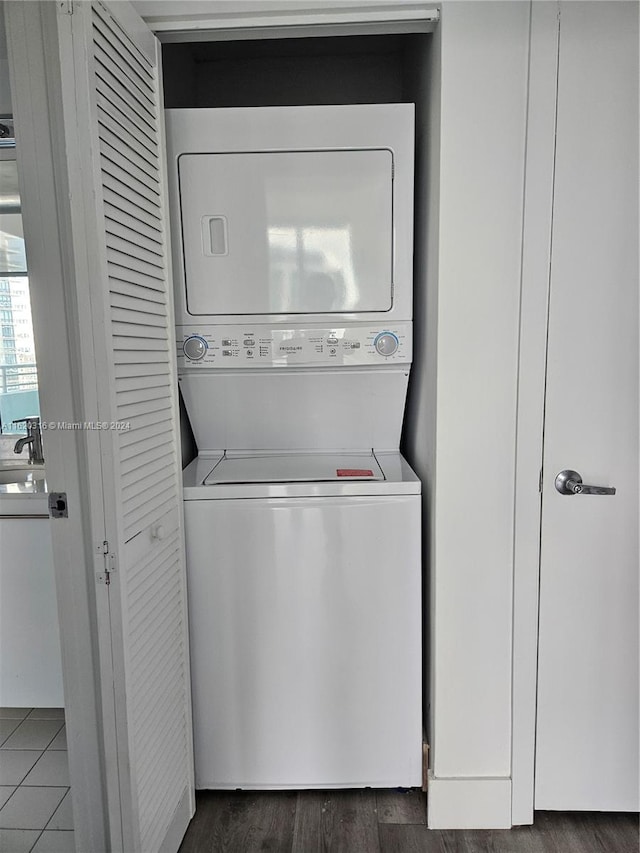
117,154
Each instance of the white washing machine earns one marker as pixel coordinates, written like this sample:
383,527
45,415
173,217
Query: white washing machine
292,230
304,603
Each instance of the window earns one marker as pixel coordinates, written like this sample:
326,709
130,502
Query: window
18,373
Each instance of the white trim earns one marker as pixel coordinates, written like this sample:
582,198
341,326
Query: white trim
366,28
65,394
536,259
173,21
469,803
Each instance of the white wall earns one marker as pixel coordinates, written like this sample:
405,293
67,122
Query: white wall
468,465
484,83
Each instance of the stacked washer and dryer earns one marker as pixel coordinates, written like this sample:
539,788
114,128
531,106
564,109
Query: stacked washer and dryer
292,232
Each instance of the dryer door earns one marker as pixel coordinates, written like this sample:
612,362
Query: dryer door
287,232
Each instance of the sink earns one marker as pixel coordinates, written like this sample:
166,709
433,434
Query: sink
20,473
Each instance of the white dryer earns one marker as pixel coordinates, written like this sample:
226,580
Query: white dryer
292,234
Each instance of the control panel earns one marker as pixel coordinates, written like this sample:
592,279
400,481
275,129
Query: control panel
265,346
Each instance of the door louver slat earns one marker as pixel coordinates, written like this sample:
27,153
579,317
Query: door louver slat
127,233
128,176
131,369
130,94
106,25
137,291
155,691
161,610
134,276
143,396
147,430
130,161
148,760
136,497
125,356
145,344
114,116
140,263
151,379
146,514
135,250
137,75
154,448
139,331
152,569
132,227
142,307
152,474
121,204
128,193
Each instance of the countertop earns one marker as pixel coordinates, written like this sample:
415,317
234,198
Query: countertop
23,499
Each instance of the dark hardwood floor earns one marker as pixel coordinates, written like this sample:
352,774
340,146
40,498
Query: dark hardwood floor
383,822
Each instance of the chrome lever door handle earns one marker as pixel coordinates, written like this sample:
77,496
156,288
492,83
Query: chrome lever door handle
569,482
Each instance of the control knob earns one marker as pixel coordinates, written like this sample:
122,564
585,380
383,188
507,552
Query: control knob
195,348
386,343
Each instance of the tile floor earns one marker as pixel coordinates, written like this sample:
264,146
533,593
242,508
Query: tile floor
35,803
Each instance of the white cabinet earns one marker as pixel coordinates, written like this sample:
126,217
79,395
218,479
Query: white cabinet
30,662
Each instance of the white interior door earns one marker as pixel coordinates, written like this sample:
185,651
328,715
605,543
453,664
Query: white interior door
112,102
587,718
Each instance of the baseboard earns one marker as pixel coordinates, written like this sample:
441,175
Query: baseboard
469,803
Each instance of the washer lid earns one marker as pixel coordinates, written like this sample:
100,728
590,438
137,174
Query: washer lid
295,468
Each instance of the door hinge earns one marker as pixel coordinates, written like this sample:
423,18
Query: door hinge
110,563
540,482
425,763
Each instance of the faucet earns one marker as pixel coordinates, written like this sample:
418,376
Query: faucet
33,438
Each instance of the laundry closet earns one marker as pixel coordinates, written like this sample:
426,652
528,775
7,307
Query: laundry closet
292,215
91,83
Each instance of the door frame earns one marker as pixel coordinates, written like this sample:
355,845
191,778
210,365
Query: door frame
67,394
532,362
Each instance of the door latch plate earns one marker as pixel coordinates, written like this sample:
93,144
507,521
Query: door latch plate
58,507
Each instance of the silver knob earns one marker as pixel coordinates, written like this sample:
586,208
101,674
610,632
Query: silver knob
386,343
569,482
195,348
